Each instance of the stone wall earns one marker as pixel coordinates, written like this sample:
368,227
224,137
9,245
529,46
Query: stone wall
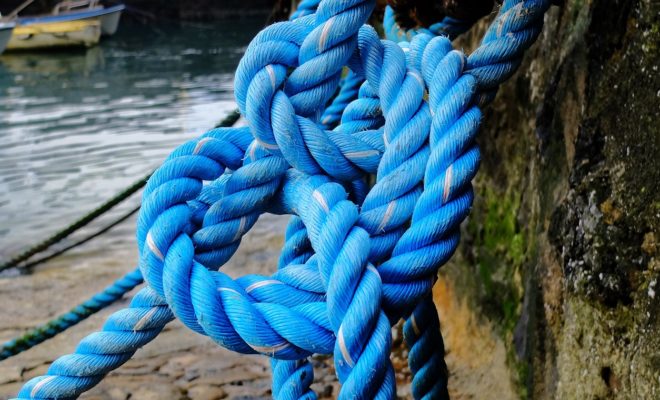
554,285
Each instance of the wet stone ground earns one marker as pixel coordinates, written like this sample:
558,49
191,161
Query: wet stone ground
178,364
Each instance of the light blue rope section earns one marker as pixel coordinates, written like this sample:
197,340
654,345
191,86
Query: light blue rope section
422,328
305,7
426,357
292,379
368,258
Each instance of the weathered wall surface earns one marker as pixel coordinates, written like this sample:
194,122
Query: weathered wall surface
555,284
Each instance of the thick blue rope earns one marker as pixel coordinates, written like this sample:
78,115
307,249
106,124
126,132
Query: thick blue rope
432,339
124,332
305,7
349,84
334,300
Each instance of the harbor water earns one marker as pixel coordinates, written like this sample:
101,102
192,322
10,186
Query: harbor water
78,126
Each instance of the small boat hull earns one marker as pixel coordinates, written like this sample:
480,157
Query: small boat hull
6,29
56,34
109,17
110,20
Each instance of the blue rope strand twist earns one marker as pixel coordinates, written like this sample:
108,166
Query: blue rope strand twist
421,332
292,380
349,87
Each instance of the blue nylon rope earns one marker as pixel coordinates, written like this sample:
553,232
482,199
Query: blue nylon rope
368,258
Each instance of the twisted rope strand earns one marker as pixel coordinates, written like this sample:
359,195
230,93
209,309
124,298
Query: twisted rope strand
349,87
292,380
486,65
426,358
470,124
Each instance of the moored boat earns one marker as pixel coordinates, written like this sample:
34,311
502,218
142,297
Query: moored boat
86,32
71,23
6,29
80,10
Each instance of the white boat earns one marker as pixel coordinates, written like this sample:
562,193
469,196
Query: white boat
80,10
6,29
92,8
71,23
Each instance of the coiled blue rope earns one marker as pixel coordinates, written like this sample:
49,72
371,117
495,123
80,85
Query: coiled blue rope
329,298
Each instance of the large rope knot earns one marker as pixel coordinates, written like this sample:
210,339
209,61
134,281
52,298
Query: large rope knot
356,259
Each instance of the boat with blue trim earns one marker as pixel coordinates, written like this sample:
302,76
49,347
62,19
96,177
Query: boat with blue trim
71,23
78,10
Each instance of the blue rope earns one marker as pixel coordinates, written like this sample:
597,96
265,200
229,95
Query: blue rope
427,352
422,328
77,314
292,379
365,262
305,7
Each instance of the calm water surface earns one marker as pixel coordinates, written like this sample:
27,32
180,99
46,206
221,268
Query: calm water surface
77,127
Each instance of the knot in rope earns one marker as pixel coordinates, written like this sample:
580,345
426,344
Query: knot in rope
356,258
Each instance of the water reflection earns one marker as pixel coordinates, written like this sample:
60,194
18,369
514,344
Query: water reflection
76,127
